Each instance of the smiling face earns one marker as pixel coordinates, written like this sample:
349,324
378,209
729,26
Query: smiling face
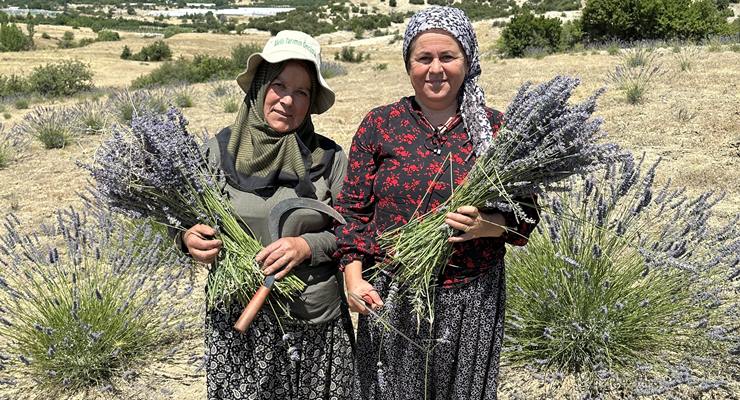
288,98
437,68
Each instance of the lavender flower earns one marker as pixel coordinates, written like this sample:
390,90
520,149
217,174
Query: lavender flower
543,141
156,170
69,325
12,145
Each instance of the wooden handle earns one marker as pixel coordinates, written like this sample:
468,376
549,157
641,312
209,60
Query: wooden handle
251,310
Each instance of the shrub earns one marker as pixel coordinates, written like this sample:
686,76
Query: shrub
7,115
635,82
13,39
201,69
93,298
226,96
623,275
348,54
12,144
392,3
686,58
124,105
13,85
85,42
331,69
108,36
68,40
53,127
21,103
174,30
637,56
63,78
418,2
45,35
90,117
527,31
182,96
650,19
126,53
241,52
157,51
613,49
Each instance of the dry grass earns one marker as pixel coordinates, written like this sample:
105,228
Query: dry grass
701,152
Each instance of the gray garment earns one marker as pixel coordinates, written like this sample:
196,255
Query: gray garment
320,301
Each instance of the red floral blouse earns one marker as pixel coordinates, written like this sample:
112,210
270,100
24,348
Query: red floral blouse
394,170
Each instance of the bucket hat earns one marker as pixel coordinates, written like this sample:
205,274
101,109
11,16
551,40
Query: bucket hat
291,45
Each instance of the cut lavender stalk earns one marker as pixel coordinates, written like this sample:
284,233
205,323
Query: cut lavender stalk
542,142
157,170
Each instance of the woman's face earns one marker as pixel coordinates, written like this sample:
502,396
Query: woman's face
288,98
437,68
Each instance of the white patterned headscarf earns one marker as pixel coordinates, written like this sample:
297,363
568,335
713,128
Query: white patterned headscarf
471,97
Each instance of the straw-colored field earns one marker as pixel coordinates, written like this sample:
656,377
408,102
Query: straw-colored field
690,119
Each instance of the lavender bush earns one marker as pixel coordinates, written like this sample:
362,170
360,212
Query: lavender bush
12,145
625,283
91,117
85,299
156,170
125,104
636,74
543,141
225,96
53,127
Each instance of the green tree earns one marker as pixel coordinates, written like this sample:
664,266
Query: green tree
650,19
13,39
126,53
525,30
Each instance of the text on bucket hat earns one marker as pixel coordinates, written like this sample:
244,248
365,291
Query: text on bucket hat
291,45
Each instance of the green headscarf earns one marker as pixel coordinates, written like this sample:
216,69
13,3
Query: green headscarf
262,159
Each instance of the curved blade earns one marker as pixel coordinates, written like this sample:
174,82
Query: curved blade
294,203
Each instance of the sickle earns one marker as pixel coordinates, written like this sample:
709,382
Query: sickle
275,228
277,212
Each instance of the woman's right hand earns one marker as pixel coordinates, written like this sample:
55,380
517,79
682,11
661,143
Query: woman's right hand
200,243
358,288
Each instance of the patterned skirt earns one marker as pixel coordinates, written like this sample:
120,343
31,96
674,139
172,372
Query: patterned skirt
457,360
273,360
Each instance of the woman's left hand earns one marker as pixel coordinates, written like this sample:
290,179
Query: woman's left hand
282,255
474,224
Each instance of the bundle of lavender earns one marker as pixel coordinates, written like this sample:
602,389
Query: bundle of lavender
156,170
543,141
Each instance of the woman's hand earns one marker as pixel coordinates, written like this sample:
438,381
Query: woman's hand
358,288
200,243
474,224
283,254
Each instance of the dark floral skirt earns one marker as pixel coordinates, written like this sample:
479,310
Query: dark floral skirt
275,360
458,359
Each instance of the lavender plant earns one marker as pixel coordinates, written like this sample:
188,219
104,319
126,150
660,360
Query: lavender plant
156,170
12,145
53,127
226,97
85,299
125,104
623,274
636,74
542,142
91,117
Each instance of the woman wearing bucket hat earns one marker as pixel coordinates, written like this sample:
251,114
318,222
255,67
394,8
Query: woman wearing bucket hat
406,158
272,155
